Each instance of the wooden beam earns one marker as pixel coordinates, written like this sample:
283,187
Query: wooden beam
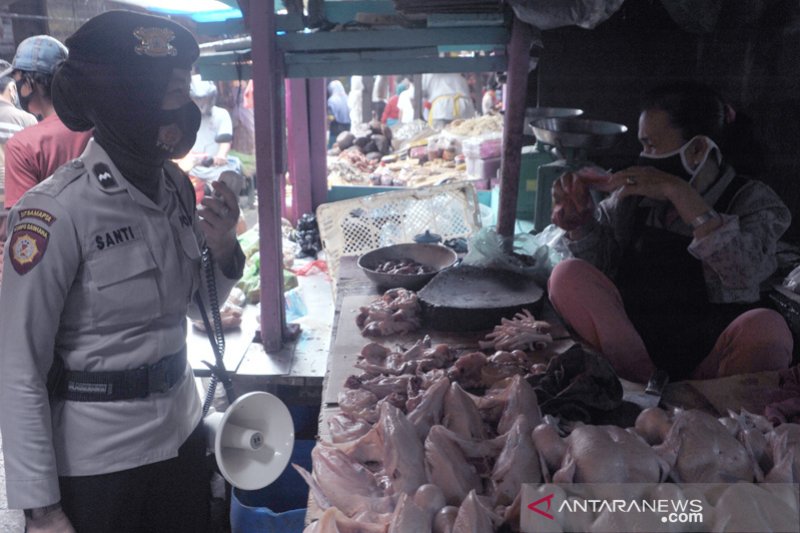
518,61
318,141
332,68
341,11
391,38
273,319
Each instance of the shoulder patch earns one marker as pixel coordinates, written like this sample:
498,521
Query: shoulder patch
39,214
103,174
27,244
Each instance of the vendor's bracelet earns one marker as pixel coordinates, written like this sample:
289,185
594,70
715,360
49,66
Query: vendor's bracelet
702,219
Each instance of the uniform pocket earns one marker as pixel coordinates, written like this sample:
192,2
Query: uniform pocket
125,288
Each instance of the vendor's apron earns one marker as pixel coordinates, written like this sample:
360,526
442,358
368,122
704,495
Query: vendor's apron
664,293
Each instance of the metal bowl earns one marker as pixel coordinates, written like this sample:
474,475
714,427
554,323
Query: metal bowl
434,256
534,113
578,132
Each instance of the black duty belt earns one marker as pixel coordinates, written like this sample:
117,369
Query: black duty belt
106,386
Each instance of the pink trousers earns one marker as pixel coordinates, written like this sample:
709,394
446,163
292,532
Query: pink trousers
591,304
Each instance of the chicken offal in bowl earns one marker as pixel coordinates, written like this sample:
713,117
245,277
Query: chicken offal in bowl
409,266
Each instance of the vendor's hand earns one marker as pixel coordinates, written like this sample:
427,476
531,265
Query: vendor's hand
219,214
573,206
650,183
53,522
220,161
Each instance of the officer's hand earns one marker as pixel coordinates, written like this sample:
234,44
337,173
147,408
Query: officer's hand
53,522
219,215
219,161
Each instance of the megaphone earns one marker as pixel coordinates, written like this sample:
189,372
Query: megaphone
252,440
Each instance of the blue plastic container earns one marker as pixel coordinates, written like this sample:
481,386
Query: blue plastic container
279,507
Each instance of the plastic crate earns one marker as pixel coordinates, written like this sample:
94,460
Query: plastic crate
356,226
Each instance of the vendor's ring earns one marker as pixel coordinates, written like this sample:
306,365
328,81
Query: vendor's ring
631,180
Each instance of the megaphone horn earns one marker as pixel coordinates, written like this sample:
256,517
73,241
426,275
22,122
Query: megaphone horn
252,440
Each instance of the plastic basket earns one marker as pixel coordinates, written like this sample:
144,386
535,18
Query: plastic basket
358,225
279,507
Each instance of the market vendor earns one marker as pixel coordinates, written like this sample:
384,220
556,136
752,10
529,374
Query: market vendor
101,419
667,270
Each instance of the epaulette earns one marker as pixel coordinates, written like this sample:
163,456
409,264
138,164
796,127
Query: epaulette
63,176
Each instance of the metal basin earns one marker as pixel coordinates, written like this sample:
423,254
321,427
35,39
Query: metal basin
534,113
578,132
435,256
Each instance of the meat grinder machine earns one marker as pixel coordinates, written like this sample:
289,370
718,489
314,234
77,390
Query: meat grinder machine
571,140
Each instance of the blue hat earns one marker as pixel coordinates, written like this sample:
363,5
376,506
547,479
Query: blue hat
40,53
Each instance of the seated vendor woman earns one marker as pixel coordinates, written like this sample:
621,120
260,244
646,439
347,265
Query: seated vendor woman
667,268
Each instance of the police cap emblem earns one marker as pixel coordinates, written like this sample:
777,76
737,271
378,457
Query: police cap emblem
155,42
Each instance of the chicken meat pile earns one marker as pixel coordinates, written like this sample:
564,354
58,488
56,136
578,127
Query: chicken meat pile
430,439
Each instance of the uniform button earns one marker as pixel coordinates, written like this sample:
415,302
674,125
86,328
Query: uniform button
77,163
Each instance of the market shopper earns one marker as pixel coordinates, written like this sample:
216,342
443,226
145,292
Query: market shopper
36,152
104,259
667,269
448,96
12,121
338,111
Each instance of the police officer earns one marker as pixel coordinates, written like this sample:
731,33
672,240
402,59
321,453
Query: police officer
102,263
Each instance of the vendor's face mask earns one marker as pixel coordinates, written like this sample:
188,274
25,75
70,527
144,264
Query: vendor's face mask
675,162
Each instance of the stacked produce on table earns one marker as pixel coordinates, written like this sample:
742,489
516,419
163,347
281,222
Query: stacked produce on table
415,155
438,438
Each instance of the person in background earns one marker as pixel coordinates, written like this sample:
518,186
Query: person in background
36,152
391,113
667,270
338,111
380,95
355,101
490,103
208,158
104,264
405,103
448,96
12,121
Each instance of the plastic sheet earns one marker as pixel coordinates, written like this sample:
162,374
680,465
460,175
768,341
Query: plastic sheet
550,14
533,255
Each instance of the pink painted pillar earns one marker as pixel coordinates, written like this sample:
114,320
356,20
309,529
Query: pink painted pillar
517,88
317,140
298,147
265,64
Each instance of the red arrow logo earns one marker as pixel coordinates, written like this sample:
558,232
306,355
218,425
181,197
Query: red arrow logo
534,506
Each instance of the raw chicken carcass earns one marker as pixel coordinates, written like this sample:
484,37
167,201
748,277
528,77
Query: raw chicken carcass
475,516
517,463
626,457
339,481
415,514
457,464
335,521
427,410
461,414
701,450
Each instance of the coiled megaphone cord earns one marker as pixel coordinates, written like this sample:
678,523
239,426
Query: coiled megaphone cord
215,334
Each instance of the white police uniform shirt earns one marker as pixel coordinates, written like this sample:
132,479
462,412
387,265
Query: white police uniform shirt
101,276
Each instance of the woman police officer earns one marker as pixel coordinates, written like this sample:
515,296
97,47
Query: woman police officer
103,261
667,269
